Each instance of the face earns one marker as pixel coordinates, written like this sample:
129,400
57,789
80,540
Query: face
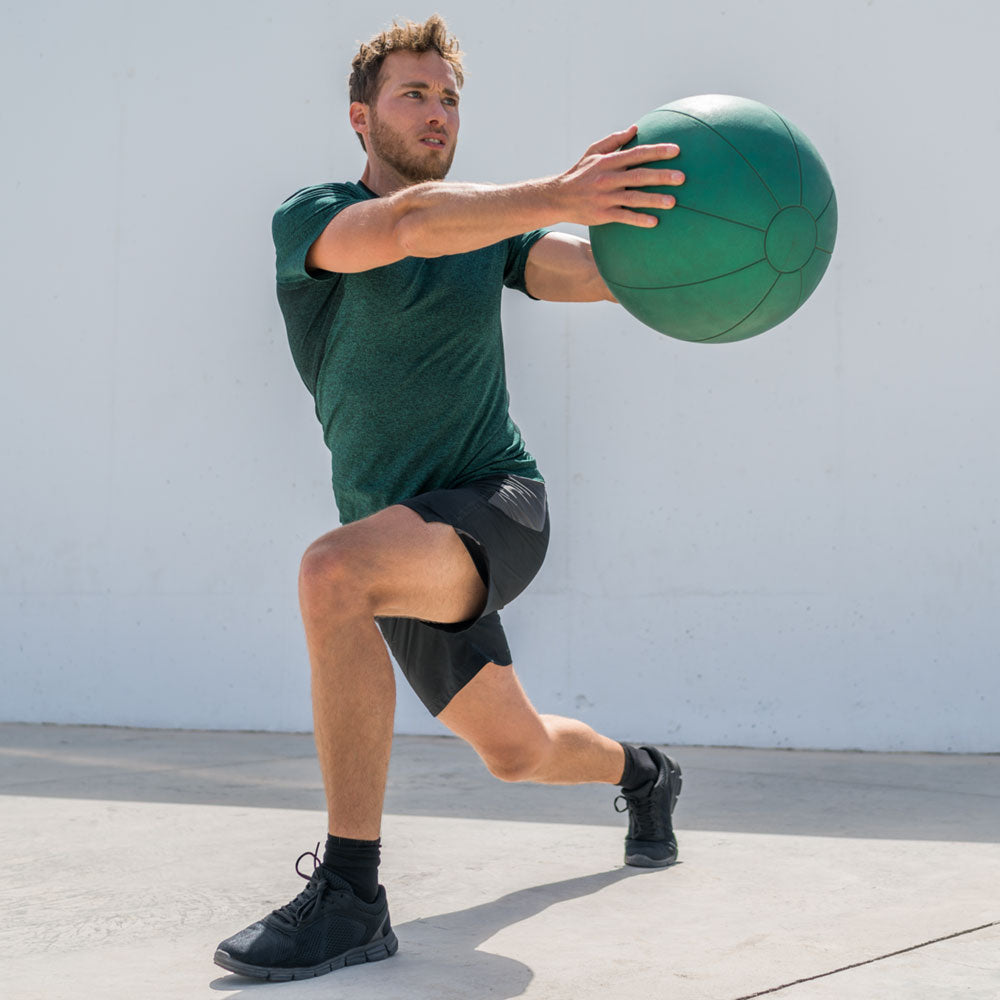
413,122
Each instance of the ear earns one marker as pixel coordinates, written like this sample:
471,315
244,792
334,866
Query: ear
359,117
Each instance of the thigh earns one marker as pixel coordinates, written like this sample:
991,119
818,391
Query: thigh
492,713
503,521
406,566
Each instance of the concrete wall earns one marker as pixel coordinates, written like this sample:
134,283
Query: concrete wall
790,541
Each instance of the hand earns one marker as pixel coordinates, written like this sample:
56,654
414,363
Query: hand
607,182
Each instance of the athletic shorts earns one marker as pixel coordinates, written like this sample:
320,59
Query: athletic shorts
504,523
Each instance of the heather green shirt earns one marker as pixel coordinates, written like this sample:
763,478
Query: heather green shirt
405,362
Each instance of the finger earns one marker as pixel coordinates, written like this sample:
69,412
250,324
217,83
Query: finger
646,154
650,177
646,199
630,218
615,141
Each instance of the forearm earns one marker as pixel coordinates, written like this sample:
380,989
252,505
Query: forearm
561,268
438,218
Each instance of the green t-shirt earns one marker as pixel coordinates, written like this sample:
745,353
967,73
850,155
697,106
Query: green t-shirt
405,362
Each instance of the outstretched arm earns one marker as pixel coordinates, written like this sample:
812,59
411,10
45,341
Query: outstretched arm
438,218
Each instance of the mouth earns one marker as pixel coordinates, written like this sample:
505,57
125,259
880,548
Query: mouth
433,141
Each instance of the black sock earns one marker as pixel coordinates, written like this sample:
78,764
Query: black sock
640,768
355,861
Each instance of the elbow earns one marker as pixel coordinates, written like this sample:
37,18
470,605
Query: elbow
414,238
420,229
408,235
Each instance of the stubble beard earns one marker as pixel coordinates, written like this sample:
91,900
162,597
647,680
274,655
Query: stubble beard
390,146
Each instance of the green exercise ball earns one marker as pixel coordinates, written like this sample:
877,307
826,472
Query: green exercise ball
750,236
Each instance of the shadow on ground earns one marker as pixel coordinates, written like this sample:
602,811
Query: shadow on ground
442,953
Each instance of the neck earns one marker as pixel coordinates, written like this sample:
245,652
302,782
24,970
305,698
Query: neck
382,179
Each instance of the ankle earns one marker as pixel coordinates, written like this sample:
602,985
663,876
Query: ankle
356,862
640,768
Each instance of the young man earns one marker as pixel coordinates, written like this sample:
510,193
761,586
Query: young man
390,289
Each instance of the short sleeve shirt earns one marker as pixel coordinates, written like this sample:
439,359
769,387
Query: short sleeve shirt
405,362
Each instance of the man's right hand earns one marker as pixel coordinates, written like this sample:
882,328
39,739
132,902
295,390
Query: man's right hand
608,182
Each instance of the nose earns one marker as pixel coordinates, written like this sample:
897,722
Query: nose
437,114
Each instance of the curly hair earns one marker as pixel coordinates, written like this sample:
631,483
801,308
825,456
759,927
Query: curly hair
431,36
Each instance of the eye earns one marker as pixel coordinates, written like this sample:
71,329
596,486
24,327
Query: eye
453,101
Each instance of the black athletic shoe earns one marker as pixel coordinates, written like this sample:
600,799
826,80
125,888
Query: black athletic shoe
650,841
324,928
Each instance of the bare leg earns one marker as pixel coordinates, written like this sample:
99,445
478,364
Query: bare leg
494,715
353,700
394,564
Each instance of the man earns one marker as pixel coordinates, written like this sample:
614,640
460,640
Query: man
390,289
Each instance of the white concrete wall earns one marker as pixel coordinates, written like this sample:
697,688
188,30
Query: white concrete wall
791,541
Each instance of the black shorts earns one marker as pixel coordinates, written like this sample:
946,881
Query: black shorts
504,523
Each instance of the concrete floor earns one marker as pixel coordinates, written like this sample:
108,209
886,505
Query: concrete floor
126,855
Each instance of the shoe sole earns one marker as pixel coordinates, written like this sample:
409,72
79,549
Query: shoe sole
644,861
374,951
639,860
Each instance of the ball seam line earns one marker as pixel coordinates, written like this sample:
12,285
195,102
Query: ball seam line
735,149
798,157
829,202
745,318
690,284
721,218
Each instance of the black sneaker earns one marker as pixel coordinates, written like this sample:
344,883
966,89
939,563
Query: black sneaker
650,841
324,928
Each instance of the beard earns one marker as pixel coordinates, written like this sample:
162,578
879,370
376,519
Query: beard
390,146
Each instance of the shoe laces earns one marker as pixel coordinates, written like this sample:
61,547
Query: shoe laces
641,811
309,898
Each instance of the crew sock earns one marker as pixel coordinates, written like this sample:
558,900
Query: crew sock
640,768
355,861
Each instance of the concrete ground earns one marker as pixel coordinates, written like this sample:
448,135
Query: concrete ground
126,855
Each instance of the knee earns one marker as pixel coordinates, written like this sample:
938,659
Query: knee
518,761
330,579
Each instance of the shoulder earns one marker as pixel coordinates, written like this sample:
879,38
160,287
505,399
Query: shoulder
319,198
330,189
300,219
